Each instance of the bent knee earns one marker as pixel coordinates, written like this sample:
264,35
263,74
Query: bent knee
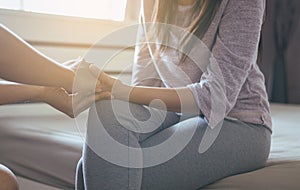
8,180
117,112
118,107
113,118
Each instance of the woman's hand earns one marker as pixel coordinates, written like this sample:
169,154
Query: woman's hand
89,77
173,98
71,104
106,82
116,87
83,79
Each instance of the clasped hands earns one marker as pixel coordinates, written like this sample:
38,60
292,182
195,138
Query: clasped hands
90,84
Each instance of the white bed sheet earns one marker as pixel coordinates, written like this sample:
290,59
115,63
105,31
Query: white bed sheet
41,144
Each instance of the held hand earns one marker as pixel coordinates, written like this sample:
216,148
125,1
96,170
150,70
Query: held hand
116,87
106,82
83,80
71,104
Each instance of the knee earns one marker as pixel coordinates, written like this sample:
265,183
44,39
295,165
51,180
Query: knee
103,106
111,113
114,111
101,115
111,117
8,180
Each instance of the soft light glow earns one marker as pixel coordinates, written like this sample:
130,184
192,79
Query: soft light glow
99,9
11,4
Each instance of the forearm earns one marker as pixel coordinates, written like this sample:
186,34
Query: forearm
19,62
175,99
14,93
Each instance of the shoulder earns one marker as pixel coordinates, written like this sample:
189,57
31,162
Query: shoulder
250,5
244,11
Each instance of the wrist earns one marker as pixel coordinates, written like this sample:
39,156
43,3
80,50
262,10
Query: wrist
108,81
68,81
120,90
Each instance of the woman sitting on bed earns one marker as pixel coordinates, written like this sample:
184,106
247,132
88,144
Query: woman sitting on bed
43,80
125,146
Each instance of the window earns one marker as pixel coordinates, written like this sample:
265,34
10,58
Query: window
99,9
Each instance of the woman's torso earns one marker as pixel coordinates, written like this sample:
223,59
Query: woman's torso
252,102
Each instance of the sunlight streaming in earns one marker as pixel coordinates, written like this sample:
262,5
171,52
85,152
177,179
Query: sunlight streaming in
99,9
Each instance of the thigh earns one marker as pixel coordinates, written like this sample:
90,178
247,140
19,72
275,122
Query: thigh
113,127
118,118
237,148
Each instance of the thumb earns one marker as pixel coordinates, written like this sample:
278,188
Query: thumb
95,70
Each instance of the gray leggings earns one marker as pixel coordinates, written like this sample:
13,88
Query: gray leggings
238,147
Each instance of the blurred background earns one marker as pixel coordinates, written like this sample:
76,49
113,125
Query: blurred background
281,58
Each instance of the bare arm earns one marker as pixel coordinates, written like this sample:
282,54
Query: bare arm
58,98
13,93
175,99
19,62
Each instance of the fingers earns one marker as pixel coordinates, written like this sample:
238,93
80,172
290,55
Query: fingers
81,102
95,70
84,80
73,104
102,96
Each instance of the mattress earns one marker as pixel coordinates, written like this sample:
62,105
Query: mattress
40,144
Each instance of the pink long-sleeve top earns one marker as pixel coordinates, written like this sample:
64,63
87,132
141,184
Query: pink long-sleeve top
226,82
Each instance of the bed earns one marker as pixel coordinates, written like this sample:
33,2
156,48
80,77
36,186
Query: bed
42,147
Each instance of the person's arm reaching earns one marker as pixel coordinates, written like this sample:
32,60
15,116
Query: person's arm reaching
14,93
42,78
21,63
60,99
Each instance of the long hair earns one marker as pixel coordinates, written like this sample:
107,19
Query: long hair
165,12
